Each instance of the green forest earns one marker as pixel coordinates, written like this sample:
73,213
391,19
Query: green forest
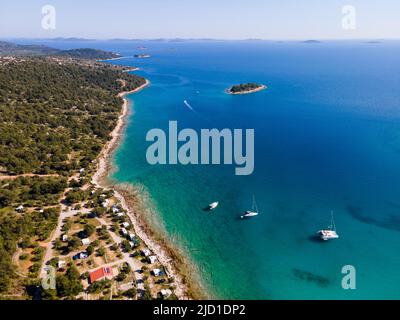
55,118
243,87
12,49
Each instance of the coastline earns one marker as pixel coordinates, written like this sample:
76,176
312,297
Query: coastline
131,69
99,178
164,253
112,59
262,87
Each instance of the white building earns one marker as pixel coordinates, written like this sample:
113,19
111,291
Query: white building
152,259
104,204
146,252
83,255
131,236
124,232
157,272
115,209
165,293
126,224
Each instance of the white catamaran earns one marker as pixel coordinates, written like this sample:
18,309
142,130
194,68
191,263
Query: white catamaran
253,212
329,233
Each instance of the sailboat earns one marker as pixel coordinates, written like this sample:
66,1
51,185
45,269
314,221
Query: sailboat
330,233
253,212
212,206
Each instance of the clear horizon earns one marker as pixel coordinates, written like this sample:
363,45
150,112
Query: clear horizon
222,20
194,39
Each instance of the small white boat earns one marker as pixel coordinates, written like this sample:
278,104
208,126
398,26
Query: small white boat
251,213
212,206
330,233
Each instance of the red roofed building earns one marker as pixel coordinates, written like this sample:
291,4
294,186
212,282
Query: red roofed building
101,273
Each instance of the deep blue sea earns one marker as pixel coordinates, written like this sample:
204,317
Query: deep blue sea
327,137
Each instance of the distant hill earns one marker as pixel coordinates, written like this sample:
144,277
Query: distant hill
311,41
373,42
12,49
88,53
70,39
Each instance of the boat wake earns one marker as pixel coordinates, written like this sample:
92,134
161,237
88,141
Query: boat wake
186,103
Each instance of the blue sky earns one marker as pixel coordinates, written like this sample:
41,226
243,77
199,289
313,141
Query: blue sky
223,19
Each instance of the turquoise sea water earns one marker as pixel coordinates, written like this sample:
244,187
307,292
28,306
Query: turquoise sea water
327,137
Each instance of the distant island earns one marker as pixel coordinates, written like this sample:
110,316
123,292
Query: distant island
245,88
311,41
373,42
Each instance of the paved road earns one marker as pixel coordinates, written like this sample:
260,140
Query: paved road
5,177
